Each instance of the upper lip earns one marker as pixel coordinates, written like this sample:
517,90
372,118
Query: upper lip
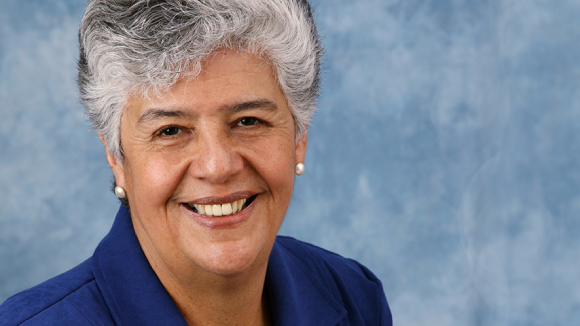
218,200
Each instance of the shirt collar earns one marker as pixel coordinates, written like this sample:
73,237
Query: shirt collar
135,296
296,295
130,287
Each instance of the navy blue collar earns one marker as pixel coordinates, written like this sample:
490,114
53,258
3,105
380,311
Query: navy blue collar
135,296
130,287
295,293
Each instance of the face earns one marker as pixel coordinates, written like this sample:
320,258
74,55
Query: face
222,143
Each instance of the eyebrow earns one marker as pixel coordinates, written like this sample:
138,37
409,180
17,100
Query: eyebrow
156,113
257,104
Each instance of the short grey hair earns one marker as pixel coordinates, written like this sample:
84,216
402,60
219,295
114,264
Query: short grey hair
130,47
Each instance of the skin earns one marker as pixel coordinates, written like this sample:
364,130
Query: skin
226,134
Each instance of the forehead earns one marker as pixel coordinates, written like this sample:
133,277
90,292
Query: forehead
228,61
225,79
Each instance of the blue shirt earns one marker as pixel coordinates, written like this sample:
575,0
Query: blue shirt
305,285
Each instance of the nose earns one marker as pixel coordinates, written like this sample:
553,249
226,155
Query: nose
217,158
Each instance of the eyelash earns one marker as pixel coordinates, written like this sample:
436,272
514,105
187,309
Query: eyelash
254,121
162,131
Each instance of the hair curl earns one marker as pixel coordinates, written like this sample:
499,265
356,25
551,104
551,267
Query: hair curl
130,47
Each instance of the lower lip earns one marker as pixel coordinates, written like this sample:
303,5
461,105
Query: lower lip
221,222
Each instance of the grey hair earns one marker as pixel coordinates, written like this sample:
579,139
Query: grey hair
130,47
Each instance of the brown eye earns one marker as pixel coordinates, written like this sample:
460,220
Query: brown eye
248,121
169,131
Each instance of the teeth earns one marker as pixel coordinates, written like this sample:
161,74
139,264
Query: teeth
227,209
220,210
217,210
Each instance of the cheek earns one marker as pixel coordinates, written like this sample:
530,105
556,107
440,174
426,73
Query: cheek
275,163
155,178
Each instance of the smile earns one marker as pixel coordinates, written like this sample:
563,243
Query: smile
221,209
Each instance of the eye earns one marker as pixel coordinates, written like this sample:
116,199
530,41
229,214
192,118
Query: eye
169,131
248,121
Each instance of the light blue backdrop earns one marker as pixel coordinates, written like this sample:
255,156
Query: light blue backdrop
445,154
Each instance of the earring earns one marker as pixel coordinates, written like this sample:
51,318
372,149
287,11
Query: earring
299,169
120,192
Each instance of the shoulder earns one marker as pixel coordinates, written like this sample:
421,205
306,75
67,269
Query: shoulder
322,261
72,298
350,282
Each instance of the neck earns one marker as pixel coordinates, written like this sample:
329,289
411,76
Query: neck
205,298
230,301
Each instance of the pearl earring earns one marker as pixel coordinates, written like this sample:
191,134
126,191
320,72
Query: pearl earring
299,169
120,192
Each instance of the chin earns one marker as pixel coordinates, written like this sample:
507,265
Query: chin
232,258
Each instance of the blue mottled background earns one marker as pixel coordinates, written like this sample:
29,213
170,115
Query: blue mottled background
445,154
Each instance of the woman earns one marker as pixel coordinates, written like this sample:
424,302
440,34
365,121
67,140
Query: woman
202,107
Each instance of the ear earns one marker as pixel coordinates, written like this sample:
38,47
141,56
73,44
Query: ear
115,165
301,148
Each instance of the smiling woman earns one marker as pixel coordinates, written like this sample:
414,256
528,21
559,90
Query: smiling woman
203,108
223,139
